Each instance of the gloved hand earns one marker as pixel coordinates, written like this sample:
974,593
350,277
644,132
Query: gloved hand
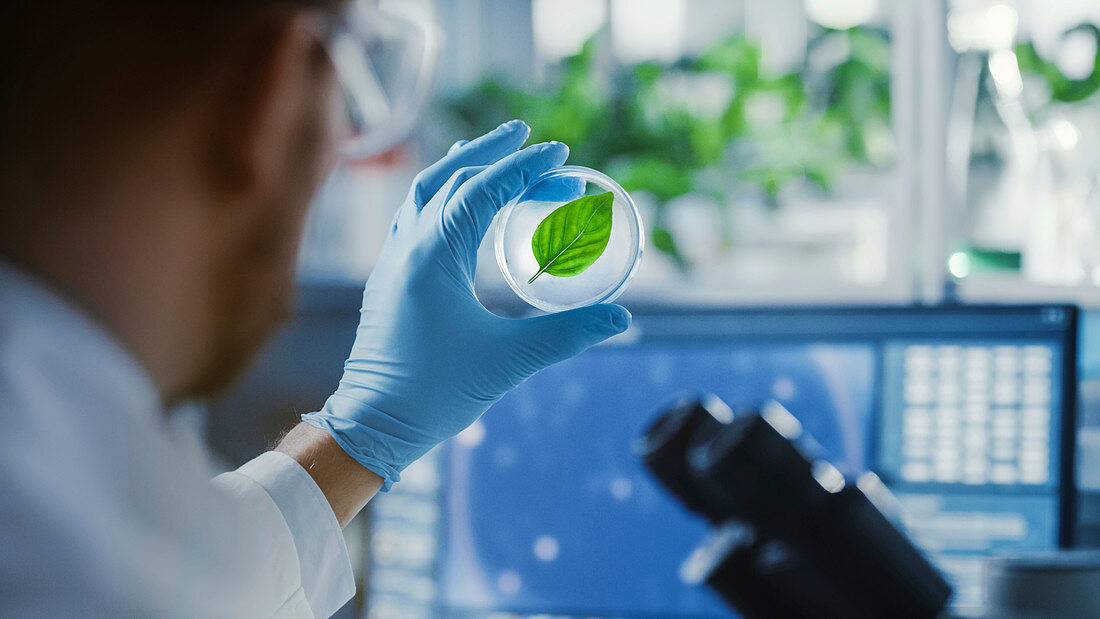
428,359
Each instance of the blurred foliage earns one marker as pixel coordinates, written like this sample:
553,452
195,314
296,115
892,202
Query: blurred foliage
656,127
1062,88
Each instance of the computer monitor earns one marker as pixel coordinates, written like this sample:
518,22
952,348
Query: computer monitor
542,508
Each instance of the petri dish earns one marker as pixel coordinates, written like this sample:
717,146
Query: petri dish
605,278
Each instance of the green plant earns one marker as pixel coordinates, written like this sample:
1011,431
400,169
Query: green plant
1062,88
573,237
626,124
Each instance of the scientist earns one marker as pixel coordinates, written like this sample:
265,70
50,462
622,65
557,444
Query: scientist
157,159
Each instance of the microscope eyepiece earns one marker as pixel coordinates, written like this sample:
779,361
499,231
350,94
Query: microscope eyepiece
665,444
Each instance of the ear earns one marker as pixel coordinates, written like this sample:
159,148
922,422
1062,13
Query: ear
274,87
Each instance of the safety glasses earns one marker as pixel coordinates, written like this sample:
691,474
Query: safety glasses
385,64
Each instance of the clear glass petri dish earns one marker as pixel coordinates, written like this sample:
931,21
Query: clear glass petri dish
602,281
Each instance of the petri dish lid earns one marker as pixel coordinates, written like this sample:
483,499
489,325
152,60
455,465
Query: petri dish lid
601,281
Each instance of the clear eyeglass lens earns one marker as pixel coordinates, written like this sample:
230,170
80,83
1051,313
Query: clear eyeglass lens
384,64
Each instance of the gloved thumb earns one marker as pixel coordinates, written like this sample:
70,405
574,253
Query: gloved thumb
556,337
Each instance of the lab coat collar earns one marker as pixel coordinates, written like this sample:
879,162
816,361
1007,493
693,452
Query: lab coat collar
41,327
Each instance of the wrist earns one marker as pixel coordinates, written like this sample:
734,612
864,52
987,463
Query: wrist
346,484
382,443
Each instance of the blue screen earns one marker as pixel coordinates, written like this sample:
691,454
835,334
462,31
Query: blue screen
968,445
549,511
542,508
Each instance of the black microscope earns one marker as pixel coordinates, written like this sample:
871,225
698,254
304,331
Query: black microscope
792,537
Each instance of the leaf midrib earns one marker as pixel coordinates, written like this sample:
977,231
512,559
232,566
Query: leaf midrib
550,262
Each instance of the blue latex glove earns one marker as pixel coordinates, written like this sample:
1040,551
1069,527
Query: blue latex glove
428,359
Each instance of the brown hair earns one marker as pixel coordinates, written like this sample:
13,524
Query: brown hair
75,72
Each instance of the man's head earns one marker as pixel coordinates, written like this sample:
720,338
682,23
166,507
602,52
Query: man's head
157,159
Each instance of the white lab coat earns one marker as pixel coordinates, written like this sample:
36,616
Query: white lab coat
105,511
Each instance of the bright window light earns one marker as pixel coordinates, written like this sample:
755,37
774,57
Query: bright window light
562,26
841,14
1065,133
959,265
1005,70
990,28
647,29
1077,55
1001,23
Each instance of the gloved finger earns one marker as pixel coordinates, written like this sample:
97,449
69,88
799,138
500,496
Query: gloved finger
485,150
560,189
477,201
446,192
456,181
546,340
457,145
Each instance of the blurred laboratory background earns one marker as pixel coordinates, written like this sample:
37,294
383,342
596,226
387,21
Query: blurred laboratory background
884,214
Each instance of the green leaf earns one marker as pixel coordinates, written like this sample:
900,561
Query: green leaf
666,244
1063,88
573,237
655,175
